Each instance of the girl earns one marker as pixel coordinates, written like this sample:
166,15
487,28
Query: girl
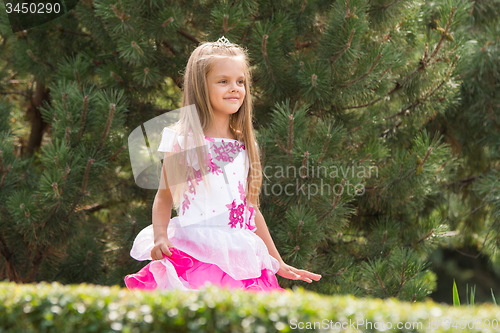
219,235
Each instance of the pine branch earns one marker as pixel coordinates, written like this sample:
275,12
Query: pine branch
366,74
429,234
444,57
84,115
88,3
357,128
12,273
303,45
4,249
35,59
247,28
202,8
428,94
2,169
335,202
384,238
290,129
365,158
170,47
282,147
84,186
66,136
304,164
118,152
445,33
469,180
342,270
381,284
188,36
385,72
348,13
374,101
60,28
225,27
298,237
482,246
88,257
17,92
120,13
383,7
408,174
31,277
424,62
303,6
325,146
264,53
402,282
108,124
337,55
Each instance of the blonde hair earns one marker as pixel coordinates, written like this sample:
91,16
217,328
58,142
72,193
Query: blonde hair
195,92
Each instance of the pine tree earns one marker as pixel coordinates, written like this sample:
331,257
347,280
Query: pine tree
472,129
363,98
350,85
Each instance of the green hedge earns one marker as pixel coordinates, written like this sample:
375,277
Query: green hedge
55,307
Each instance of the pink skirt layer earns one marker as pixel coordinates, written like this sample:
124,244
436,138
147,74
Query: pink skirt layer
196,273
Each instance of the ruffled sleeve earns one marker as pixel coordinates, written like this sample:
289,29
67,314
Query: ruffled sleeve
168,141
173,142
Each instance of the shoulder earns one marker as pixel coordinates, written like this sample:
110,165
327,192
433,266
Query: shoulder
168,140
169,132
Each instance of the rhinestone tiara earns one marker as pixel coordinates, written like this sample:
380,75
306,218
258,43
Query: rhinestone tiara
223,41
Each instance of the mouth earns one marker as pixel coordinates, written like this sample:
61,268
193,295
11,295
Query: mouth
232,99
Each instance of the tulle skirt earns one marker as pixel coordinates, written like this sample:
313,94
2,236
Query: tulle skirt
182,271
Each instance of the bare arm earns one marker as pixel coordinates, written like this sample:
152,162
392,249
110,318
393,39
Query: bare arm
263,232
162,206
285,270
162,212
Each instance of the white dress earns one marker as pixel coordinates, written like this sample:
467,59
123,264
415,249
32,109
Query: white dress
216,228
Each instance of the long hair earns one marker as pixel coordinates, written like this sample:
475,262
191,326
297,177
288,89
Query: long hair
195,92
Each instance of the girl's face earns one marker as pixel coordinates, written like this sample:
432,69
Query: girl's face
226,86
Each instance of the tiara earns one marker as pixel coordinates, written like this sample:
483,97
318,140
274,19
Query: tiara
223,41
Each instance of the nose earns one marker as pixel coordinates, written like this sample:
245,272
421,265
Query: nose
234,87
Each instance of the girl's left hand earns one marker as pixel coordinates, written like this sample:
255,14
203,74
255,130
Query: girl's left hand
293,273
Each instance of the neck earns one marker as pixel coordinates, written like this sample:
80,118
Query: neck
220,128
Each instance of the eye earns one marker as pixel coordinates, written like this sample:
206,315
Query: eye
242,81
222,81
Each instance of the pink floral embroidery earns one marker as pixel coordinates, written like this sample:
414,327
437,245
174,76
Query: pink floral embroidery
225,150
185,203
192,189
249,224
251,210
241,190
214,167
235,214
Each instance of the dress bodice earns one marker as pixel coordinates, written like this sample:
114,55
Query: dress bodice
224,204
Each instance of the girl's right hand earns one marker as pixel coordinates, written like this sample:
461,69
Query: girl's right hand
161,246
